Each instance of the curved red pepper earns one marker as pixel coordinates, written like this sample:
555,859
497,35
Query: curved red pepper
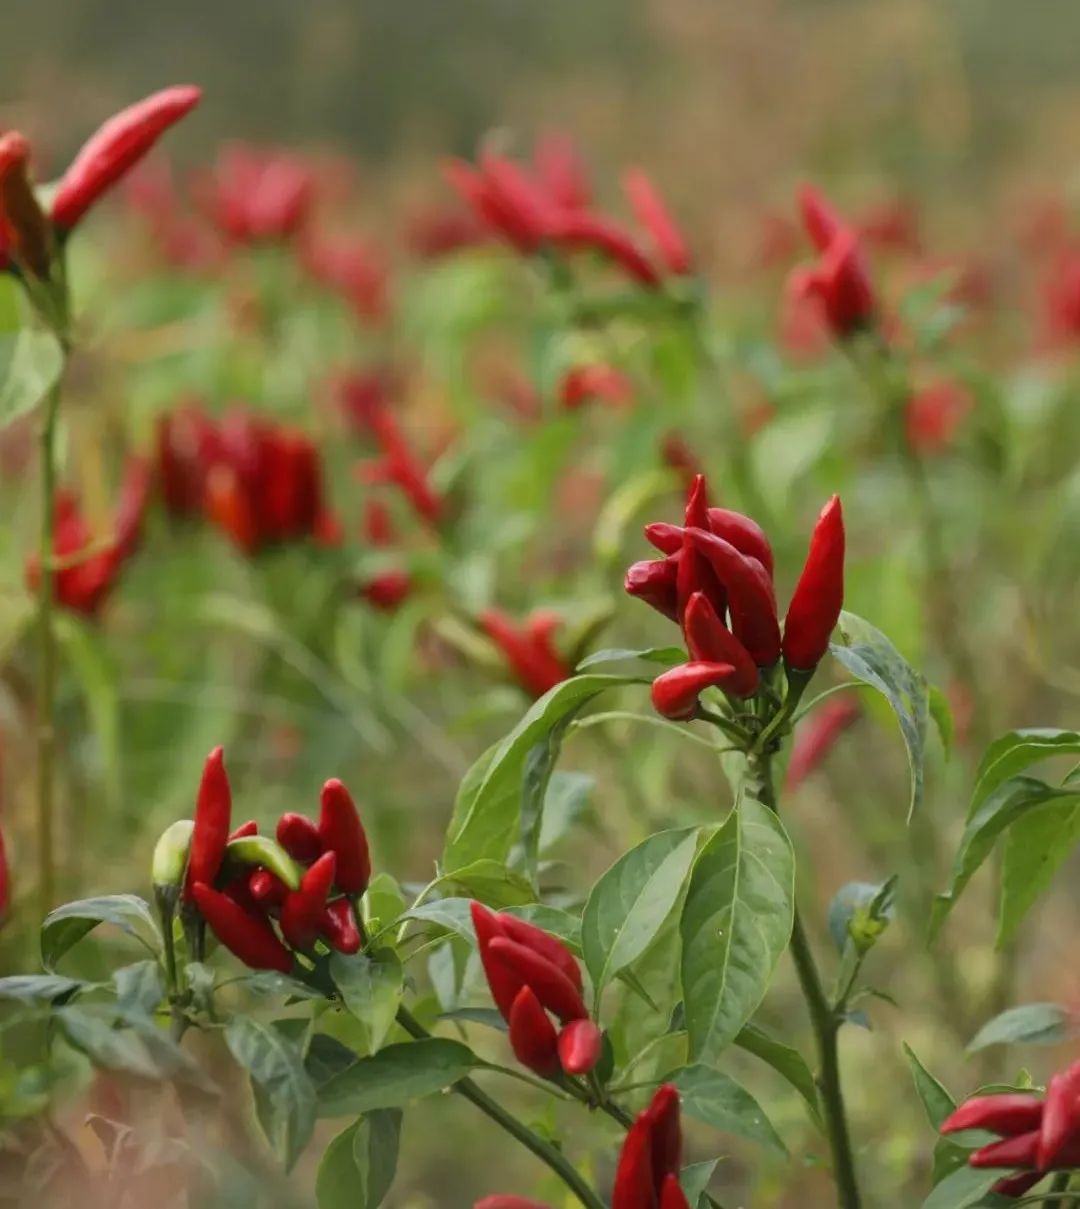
750,595
299,837
654,216
581,1044
819,595
552,987
710,641
343,834
247,935
675,692
532,1035
593,233
213,809
303,913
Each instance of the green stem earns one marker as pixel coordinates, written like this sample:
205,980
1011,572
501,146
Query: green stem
825,1024
1060,1184
543,1150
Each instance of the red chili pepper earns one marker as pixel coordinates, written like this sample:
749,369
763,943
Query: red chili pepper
581,1044
817,736
303,914
672,1195
750,595
343,834
655,582
653,215
267,889
1060,1118
24,229
245,829
548,946
585,383
710,641
213,808
529,650
247,935
651,1156
592,233
819,595
840,284
255,196
299,837
552,987
532,1035
340,927
561,172
513,193
1003,1114
388,590
1017,1151
115,148
746,535
675,692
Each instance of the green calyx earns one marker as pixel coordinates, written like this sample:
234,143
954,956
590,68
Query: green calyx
261,851
171,854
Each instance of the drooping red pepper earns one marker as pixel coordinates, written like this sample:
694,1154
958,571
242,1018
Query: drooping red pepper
115,148
647,1173
654,217
710,641
655,582
750,595
299,837
343,834
529,649
817,736
591,232
580,1045
532,1035
242,932
303,913
819,595
675,692
1006,1114
340,927
213,809
552,987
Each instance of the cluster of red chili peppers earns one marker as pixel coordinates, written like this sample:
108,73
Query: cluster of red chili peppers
647,1173
716,581
306,881
1037,1133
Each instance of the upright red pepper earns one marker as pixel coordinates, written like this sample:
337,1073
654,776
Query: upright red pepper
750,595
647,1173
340,927
819,595
244,933
303,914
343,834
653,215
213,809
116,147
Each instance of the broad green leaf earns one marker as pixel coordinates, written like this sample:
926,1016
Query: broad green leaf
285,1094
1029,1024
326,1056
736,923
1036,847
358,1167
487,812
67,925
396,1075
933,1095
1009,802
870,657
629,904
1014,752
140,987
667,656
31,362
540,763
49,988
491,882
966,1187
786,1061
720,1102
371,987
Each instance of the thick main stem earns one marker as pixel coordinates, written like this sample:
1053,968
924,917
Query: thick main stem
825,1024
543,1150
46,687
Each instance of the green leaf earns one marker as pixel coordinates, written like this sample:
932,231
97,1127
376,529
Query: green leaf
933,1094
736,922
284,1092
67,925
140,987
630,903
1014,752
540,763
964,1188
720,1102
870,657
694,1179
786,1061
29,988
565,802
371,987
1007,803
326,1056
941,713
275,985
396,1075
31,362
358,1167
667,656
1029,1024
1036,847
491,882
453,914
487,812
860,912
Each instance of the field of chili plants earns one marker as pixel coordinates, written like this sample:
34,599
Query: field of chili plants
499,711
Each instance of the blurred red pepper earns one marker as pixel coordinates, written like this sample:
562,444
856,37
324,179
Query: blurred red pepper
81,582
242,932
817,736
352,268
531,973
561,171
342,833
934,414
188,444
580,231
819,594
528,648
653,215
840,281
586,383
213,812
256,195
434,232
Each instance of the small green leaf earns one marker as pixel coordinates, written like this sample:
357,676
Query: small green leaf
736,923
1029,1024
786,1061
630,903
491,882
860,912
67,925
720,1102
396,1075
565,802
275,985
359,1165
1015,751
284,1092
933,1095
963,1189
667,656
695,1180
371,987
49,988
31,362
1036,846
870,657
453,914
140,987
